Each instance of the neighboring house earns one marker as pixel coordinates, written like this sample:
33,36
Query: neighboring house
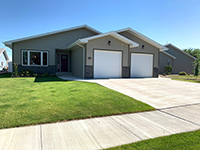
3,58
178,59
88,53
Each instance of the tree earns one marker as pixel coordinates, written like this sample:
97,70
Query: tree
193,52
196,67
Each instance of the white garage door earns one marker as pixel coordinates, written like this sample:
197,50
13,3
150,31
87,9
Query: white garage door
141,65
107,64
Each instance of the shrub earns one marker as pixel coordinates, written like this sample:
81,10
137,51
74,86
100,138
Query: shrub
168,69
45,74
31,73
164,74
183,73
15,70
188,74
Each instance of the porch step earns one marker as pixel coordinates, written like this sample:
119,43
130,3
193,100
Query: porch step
63,73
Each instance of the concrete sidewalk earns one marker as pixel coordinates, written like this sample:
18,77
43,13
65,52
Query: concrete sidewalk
103,132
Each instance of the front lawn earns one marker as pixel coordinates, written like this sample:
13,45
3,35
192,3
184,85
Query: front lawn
195,81
188,78
186,141
30,100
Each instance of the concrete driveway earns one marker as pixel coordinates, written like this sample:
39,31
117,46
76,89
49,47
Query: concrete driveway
110,131
157,92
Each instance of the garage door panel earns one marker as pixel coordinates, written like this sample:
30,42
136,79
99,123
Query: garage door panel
141,65
107,64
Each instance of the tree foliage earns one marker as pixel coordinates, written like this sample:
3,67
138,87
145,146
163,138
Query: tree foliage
193,52
196,67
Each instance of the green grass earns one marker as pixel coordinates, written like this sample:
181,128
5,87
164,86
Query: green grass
195,81
30,100
183,141
5,75
184,77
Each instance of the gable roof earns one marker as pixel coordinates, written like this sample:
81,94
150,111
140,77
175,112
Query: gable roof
112,33
181,51
143,37
9,43
166,53
3,51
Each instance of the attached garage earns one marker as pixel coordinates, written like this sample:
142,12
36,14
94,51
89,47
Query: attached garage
141,65
107,64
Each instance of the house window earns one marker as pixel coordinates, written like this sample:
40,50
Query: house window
34,58
25,57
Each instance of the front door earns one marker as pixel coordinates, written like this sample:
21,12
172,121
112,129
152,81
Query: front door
64,63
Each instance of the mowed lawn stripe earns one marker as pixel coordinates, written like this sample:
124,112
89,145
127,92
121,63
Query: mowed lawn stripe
30,100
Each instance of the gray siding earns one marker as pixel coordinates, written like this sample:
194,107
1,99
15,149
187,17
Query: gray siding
147,49
102,44
182,61
165,60
77,62
49,43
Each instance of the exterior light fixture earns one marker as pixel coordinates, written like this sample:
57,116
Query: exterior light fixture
109,42
89,58
143,46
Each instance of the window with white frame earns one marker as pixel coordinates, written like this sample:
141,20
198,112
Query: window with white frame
34,58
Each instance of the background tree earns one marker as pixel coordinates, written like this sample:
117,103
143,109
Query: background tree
196,67
193,52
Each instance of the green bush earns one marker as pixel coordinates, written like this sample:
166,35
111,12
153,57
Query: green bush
168,69
15,70
30,72
164,74
183,73
188,74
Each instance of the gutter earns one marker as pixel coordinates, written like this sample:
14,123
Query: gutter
83,58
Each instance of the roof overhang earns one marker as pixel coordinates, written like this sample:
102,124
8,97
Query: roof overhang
112,33
143,37
181,51
9,43
168,54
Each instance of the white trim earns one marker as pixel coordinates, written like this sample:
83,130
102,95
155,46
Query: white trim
168,54
9,43
181,51
112,33
143,37
2,51
41,58
5,54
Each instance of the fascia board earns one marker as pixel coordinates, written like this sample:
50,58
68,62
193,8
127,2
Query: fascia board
145,38
50,33
168,54
181,51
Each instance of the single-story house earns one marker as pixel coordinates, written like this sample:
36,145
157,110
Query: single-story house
177,58
3,58
88,53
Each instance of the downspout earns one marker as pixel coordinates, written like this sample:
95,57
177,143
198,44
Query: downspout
83,58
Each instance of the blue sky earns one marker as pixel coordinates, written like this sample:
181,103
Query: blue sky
170,21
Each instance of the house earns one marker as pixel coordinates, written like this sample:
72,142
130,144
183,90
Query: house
3,58
178,59
88,53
